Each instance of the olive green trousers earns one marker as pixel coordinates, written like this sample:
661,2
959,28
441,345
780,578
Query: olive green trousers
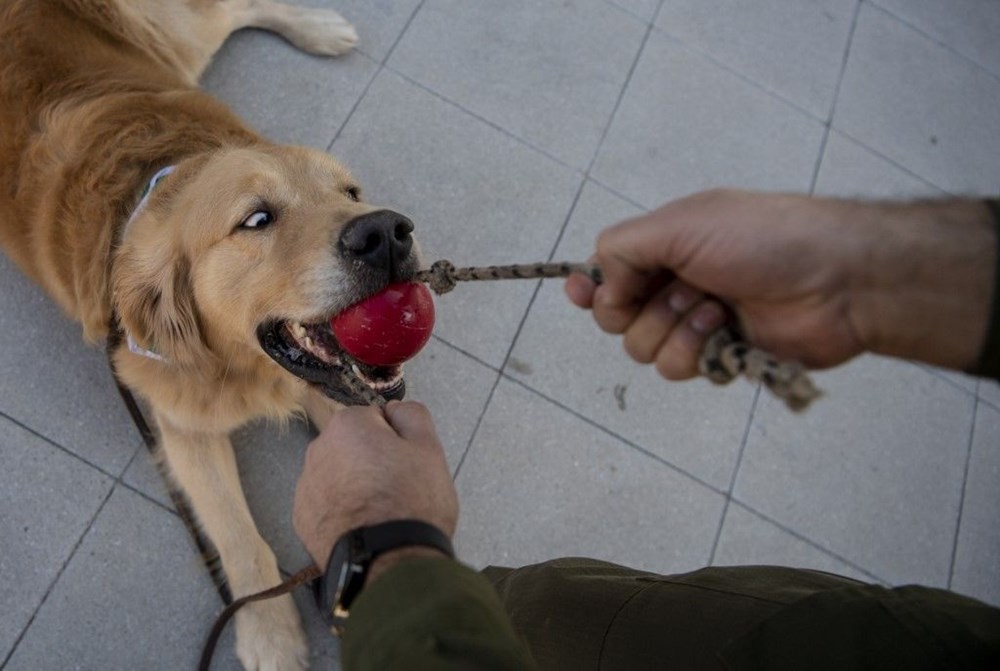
580,614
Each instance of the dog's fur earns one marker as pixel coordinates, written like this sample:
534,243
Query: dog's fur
95,96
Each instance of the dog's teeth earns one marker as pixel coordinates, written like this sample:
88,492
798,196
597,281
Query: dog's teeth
309,342
357,371
300,330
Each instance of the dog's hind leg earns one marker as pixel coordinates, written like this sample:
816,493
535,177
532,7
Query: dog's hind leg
186,33
268,633
318,31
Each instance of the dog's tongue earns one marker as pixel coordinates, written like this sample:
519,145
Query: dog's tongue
388,328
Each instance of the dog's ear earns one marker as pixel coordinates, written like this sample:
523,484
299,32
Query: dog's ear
155,303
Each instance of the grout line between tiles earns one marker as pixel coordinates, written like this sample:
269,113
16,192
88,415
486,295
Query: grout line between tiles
736,472
616,193
677,469
843,64
378,71
944,45
875,152
66,450
354,108
55,579
656,14
945,378
517,333
989,403
603,429
965,481
759,86
836,96
478,117
628,12
618,102
808,541
819,160
466,353
475,429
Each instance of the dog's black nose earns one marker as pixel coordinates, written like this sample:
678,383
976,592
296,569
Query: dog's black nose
381,239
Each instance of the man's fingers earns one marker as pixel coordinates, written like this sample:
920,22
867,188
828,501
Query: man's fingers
658,318
631,254
360,418
411,420
677,359
580,290
347,427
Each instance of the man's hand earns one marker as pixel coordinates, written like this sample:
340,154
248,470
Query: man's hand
370,466
812,279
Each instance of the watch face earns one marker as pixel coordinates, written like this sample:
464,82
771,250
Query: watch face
345,576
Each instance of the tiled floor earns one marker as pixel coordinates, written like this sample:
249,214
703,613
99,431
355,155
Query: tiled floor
514,131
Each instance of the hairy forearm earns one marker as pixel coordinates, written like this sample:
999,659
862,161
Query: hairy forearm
922,279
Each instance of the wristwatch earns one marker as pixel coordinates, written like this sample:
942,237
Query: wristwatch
353,555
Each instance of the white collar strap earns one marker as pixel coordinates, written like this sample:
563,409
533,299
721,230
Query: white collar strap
133,346
160,174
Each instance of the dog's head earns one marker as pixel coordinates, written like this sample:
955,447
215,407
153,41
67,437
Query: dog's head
248,251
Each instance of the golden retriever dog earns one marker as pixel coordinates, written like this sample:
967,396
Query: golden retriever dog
240,245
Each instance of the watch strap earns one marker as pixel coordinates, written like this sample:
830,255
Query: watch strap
364,545
380,538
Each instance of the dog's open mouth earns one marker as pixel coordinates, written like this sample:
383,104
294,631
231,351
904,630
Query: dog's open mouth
312,353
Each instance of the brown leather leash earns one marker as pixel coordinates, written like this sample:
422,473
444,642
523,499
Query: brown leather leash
725,357
209,555
304,576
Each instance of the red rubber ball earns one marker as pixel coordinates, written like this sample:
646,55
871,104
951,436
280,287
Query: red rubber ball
388,328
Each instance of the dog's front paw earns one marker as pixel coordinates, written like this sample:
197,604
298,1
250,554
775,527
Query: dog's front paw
323,32
269,636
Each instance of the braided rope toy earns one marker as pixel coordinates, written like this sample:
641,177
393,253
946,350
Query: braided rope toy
725,357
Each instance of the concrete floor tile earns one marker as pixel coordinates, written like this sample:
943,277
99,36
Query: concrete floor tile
970,27
921,105
134,596
55,383
850,170
476,196
694,425
270,459
793,48
259,76
540,483
748,539
977,556
685,124
455,387
873,471
548,72
47,499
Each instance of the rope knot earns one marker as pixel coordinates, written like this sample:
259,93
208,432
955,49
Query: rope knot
441,277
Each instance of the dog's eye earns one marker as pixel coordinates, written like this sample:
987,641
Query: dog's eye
258,219
354,193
